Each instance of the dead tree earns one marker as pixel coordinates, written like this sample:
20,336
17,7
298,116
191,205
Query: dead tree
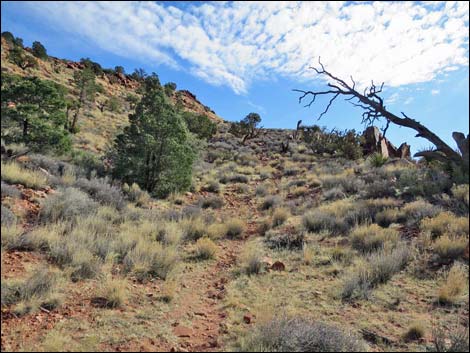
374,109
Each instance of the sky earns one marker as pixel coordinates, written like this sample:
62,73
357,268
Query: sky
242,57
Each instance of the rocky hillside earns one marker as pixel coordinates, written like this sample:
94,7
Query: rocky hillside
97,127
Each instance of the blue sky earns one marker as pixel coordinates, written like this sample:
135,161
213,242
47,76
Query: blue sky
247,57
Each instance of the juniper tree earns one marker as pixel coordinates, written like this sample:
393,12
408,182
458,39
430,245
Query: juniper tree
154,151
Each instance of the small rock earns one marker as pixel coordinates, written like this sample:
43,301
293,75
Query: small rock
247,319
182,331
278,266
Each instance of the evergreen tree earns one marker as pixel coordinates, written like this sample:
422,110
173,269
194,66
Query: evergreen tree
33,113
154,151
39,51
85,82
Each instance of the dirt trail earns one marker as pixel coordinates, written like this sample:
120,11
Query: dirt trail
198,319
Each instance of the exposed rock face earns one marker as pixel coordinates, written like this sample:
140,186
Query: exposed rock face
375,142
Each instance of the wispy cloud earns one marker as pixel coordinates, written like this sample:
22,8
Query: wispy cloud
435,92
235,43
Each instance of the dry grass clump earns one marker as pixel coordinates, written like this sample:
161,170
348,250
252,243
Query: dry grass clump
388,216
452,290
445,222
13,173
34,292
193,228
449,247
415,332
283,334
212,202
270,202
372,237
205,249
235,228
150,259
114,291
66,205
280,215
415,211
8,218
250,261
285,239
377,269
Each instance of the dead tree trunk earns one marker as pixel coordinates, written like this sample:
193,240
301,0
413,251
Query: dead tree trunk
374,109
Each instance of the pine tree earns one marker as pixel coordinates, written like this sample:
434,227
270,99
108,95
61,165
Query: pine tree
154,151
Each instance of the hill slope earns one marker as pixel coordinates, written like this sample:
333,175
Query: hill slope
97,127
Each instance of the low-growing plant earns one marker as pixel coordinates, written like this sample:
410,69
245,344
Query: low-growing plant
415,332
445,222
369,238
250,261
284,334
455,285
378,268
450,247
235,228
114,291
13,173
205,249
280,215
66,205
194,228
270,202
285,239
212,202
8,218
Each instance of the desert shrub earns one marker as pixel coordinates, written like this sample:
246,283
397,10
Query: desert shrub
457,340
8,217
235,228
205,249
455,285
377,189
10,191
250,261
84,265
212,202
283,334
378,268
150,260
200,125
270,202
335,193
36,286
414,212
377,160
449,247
212,186
318,220
285,239
101,191
415,332
241,188
461,195
66,205
13,173
424,182
114,291
235,178
370,238
261,190
135,194
280,215
388,216
445,222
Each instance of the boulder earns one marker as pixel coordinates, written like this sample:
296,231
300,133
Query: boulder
375,142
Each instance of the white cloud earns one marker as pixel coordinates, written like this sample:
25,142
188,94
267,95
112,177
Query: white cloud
435,92
234,43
